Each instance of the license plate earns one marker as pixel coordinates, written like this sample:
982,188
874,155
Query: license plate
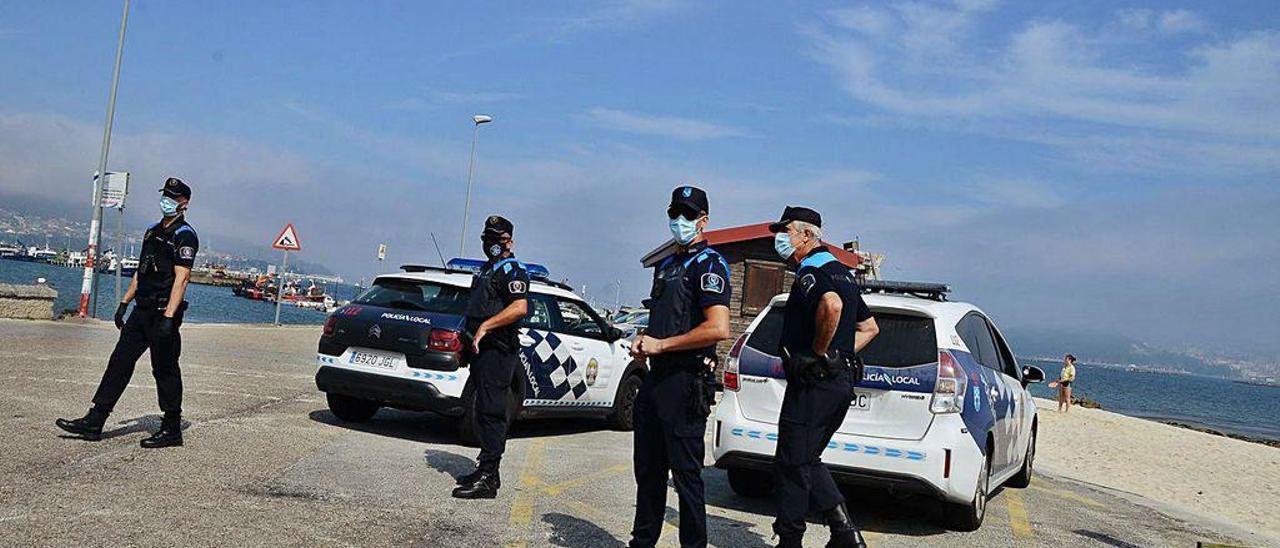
367,359
861,403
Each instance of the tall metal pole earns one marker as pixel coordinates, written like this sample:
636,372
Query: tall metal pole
462,238
280,284
119,250
88,287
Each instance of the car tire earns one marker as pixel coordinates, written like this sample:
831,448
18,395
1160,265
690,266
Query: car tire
624,402
750,483
469,425
351,409
968,516
1023,477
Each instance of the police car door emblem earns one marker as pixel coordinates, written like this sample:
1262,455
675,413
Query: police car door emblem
375,331
712,282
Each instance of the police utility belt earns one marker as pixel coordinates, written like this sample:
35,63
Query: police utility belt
809,367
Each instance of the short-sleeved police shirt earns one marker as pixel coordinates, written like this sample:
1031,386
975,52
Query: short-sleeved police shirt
507,281
821,273
162,249
706,280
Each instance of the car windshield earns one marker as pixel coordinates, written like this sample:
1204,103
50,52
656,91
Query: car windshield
904,341
416,295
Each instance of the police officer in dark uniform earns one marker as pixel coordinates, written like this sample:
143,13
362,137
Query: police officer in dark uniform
825,324
498,304
158,286
688,315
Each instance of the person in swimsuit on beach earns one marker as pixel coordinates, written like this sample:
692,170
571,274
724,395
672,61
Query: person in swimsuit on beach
1064,381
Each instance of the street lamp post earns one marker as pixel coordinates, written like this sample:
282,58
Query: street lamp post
466,210
88,287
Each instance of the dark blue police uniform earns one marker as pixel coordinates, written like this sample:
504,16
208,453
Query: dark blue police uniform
812,409
670,413
163,248
498,284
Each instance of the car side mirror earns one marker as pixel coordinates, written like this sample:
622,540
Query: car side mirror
614,333
1031,373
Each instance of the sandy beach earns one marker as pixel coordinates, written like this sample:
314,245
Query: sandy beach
1233,480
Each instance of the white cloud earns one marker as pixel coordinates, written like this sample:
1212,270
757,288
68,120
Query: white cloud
924,63
439,98
684,129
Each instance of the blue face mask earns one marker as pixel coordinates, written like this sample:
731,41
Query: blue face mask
782,244
168,206
684,230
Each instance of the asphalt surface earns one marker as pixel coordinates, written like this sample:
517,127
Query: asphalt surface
265,463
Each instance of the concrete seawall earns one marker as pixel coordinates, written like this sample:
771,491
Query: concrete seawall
27,302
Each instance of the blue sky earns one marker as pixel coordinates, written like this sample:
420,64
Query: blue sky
1085,165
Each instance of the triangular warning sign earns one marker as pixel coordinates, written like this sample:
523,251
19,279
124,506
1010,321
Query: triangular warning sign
288,239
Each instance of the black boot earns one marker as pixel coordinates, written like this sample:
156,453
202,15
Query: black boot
485,487
471,478
844,534
88,427
169,435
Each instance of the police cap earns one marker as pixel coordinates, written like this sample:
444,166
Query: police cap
175,188
796,213
496,225
689,198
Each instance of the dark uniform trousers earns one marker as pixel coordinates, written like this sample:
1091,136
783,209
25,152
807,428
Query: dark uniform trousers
496,370
811,413
669,439
140,333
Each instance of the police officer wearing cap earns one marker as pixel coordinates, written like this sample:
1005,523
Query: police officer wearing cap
498,303
825,324
688,315
157,289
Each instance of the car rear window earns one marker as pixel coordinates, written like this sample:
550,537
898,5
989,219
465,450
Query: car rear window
904,341
416,295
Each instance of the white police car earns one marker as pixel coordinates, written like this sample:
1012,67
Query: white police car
943,408
400,344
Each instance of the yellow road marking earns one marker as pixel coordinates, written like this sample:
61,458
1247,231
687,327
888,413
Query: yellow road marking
522,506
1063,493
1018,515
556,489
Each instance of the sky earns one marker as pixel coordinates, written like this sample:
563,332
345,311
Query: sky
1083,165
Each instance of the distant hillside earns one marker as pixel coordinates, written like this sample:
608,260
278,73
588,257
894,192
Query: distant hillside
1108,347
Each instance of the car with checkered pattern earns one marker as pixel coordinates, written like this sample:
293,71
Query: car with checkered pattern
943,408
402,344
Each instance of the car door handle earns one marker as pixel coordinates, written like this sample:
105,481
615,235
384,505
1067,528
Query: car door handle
526,340
575,346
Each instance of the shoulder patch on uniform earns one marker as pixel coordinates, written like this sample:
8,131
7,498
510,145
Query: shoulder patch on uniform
807,281
506,267
712,283
186,252
516,287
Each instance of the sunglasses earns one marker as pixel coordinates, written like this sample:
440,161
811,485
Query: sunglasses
683,211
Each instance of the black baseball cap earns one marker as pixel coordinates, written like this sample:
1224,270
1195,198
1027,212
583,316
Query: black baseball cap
689,197
175,188
795,213
497,225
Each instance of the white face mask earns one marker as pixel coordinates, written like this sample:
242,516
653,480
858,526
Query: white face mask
782,244
168,206
683,230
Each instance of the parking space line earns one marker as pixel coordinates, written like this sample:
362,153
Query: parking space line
556,489
1017,514
1063,493
522,506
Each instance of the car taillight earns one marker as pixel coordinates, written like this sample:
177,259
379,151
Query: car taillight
444,340
330,324
948,391
730,380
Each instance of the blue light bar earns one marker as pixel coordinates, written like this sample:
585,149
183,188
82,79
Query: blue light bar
536,271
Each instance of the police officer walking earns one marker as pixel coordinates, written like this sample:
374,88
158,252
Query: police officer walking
688,315
158,287
498,303
825,324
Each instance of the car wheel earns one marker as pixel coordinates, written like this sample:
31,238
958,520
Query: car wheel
624,403
968,516
1023,478
750,483
351,409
